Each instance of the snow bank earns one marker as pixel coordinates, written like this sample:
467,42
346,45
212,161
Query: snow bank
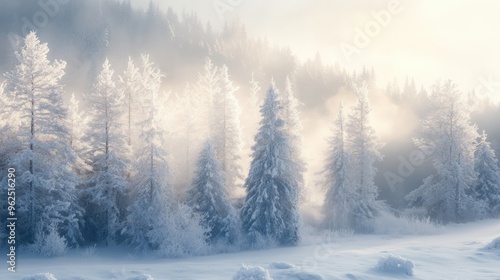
282,265
396,265
41,276
252,273
493,245
300,275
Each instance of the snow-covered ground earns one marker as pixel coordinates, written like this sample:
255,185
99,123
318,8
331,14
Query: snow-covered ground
454,252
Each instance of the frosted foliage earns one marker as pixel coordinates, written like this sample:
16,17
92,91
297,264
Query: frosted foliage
50,244
450,138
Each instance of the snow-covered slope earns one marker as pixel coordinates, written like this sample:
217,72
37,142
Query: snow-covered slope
456,252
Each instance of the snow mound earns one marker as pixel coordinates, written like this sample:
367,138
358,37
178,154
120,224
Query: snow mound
142,277
41,276
396,265
493,245
252,273
282,265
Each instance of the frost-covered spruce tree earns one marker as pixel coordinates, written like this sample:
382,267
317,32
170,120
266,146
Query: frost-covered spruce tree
341,199
293,127
154,220
77,123
41,153
488,184
108,156
206,88
363,147
130,84
225,130
208,196
450,139
187,110
78,127
272,188
151,192
254,94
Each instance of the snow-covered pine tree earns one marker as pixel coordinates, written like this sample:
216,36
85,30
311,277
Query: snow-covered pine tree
77,123
272,188
152,195
155,220
341,199
293,127
206,88
130,84
254,93
252,111
225,130
450,138
41,155
209,198
108,156
189,130
363,147
488,184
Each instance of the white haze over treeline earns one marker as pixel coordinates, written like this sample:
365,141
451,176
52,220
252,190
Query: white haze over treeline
181,53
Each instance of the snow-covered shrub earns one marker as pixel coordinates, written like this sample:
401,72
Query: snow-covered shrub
50,245
41,276
184,236
493,245
396,264
282,265
252,273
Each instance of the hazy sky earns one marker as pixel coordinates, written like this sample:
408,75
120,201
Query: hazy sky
426,39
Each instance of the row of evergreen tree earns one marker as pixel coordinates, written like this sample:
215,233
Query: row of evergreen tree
104,177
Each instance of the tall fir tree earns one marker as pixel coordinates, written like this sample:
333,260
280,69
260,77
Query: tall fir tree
363,146
206,88
293,127
450,138
189,129
272,188
340,199
42,155
487,188
152,196
209,197
225,130
109,158
131,85
155,222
